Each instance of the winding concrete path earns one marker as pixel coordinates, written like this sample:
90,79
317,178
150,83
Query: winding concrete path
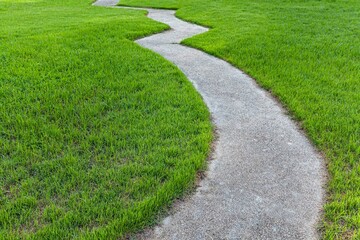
265,181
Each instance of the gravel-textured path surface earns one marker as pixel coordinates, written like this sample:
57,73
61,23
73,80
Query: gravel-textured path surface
265,181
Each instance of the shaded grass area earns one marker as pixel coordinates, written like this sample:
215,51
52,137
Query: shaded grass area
97,135
307,54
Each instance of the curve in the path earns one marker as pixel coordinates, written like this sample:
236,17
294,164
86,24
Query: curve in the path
265,181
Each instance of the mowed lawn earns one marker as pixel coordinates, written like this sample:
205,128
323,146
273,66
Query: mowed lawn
97,135
307,53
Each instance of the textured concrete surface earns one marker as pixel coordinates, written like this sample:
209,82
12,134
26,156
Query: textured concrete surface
265,181
105,3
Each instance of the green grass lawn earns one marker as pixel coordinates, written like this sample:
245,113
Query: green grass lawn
97,135
307,53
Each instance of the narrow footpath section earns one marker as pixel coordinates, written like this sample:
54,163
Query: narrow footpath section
265,181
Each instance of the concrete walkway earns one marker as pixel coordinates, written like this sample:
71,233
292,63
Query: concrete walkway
265,181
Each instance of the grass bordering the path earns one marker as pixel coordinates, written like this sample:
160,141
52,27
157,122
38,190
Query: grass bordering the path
307,54
160,4
97,134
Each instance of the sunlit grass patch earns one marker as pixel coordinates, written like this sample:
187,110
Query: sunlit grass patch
97,135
